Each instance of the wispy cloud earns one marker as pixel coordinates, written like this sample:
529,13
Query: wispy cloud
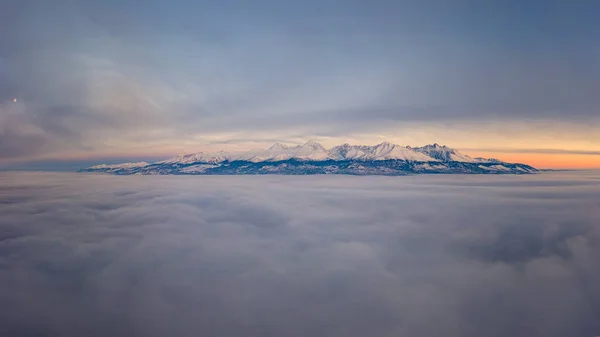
542,151
115,76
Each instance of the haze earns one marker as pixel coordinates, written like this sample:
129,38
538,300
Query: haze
95,255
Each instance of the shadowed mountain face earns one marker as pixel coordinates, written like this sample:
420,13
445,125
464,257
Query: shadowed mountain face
312,158
297,256
444,153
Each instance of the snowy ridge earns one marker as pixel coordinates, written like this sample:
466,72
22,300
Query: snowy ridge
121,166
312,158
381,151
444,153
309,151
199,157
312,150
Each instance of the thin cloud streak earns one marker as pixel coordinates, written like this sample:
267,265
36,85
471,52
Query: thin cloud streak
544,151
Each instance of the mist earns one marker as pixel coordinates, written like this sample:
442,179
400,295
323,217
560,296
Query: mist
95,255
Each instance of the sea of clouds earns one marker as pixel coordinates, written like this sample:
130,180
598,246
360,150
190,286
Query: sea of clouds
95,255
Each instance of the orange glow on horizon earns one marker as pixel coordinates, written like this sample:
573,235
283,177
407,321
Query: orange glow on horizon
546,160
537,160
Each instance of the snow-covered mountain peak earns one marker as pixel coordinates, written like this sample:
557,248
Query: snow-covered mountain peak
278,147
436,146
381,151
344,146
197,157
121,166
309,151
312,158
341,152
313,144
313,151
444,153
488,160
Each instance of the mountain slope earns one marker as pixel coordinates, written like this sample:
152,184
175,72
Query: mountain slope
444,153
312,158
309,151
381,151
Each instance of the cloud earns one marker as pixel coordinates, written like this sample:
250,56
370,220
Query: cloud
113,75
321,256
545,151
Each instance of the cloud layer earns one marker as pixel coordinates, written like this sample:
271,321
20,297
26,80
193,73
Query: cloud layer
299,256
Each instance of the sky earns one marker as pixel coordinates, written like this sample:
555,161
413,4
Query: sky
123,80
266,256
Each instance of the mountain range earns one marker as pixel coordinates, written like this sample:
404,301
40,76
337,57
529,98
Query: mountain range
312,158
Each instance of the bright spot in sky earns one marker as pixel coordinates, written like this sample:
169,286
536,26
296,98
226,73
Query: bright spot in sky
14,100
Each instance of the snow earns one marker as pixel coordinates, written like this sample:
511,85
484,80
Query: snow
486,160
522,169
444,153
392,151
309,151
313,151
198,168
381,151
495,168
347,151
500,167
121,166
278,147
199,157
430,167
457,156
